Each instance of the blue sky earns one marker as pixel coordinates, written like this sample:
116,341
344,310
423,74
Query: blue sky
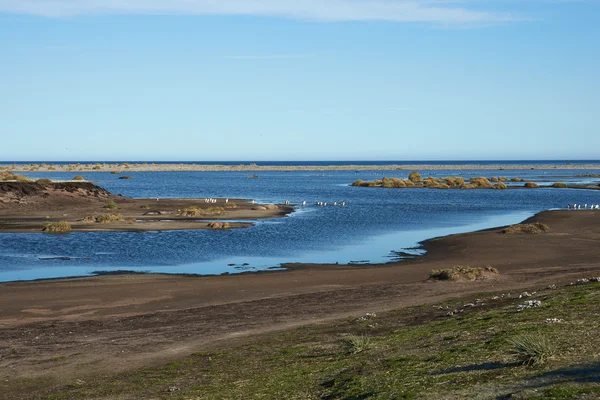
277,80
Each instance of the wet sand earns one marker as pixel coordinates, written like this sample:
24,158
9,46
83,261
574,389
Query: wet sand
110,324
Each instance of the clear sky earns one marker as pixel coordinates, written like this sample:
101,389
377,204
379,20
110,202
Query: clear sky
299,79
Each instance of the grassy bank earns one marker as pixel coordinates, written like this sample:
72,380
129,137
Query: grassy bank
466,348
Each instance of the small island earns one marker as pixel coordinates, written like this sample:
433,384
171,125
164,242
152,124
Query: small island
77,205
414,180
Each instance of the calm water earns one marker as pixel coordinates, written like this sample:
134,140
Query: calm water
373,224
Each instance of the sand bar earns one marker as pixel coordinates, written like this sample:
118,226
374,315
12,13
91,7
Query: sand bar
137,167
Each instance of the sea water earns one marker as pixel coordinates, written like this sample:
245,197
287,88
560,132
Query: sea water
374,224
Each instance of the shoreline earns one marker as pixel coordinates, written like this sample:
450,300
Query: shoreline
124,168
111,324
32,207
426,245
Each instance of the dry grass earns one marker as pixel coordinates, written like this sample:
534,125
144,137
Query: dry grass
500,185
105,218
272,207
481,182
195,211
57,227
459,272
231,204
219,225
44,181
78,178
414,177
532,229
6,176
560,185
531,185
111,205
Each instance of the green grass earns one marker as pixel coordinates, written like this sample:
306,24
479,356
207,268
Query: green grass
418,352
531,349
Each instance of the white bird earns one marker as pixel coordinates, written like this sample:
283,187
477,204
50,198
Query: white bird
343,203
226,201
335,203
303,203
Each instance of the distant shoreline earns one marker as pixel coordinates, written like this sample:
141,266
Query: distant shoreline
153,167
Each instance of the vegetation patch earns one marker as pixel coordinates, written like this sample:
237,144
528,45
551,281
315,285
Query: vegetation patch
219,225
531,349
111,205
531,185
57,227
355,344
231,204
462,273
44,181
104,218
559,185
78,178
531,229
195,211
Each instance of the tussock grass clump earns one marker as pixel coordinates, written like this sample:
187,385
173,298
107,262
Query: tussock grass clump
57,227
454,181
531,349
78,178
231,204
459,272
515,179
502,179
531,185
500,185
6,176
115,172
219,225
44,181
481,182
560,185
414,177
355,344
494,179
532,229
104,218
195,211
111,205
21,178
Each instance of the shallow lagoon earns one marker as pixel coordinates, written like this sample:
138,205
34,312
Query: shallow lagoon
374,223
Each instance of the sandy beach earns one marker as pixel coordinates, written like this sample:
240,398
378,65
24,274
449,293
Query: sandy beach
256,167
110,324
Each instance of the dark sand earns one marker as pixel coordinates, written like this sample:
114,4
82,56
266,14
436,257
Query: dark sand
110,324
27,206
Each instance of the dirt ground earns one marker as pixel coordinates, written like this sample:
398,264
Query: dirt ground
105,325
